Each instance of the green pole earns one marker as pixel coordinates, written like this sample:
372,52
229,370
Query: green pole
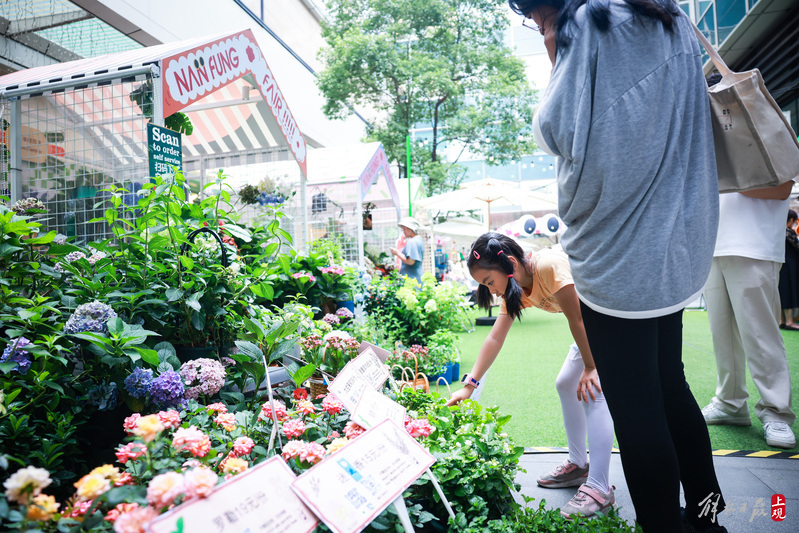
408,171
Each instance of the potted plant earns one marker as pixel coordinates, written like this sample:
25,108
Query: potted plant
328,355
367,215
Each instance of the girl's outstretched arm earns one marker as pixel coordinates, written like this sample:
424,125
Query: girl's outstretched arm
570,305
488,352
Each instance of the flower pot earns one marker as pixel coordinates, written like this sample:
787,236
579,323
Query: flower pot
367,221
349,304
454,371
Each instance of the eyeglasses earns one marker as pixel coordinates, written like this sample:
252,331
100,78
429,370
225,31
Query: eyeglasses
532,25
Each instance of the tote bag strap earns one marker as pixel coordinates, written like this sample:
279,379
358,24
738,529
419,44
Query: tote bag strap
721,66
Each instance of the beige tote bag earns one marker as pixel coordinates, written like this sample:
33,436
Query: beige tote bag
755,145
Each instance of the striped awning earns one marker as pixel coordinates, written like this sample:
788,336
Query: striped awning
230,114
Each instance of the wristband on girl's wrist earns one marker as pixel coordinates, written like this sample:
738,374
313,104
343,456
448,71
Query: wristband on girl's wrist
469,380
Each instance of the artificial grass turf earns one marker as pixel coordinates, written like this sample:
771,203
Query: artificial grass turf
522,379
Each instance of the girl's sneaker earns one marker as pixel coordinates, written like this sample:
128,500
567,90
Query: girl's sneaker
587,502
565,475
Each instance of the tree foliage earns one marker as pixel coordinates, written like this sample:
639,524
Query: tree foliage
433,64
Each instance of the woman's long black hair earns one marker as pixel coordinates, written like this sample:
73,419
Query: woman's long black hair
598,11
491,251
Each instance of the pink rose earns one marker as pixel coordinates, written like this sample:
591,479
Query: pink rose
292,449
132,450
200,482
226,420
243,446
418,428
312,452
170,419
130,423
293,428
332,405
164,489
305,407
352,430
216,408
193,440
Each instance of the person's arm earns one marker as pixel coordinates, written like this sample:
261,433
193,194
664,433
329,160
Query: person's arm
402,257
570,305
780,192
488,353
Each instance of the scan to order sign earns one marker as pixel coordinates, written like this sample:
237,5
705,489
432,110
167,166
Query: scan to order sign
256,500
165,150
351,487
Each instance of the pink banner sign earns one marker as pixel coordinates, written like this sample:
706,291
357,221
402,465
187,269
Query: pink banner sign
193,74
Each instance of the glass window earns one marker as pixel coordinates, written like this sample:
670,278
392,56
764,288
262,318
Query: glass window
730,13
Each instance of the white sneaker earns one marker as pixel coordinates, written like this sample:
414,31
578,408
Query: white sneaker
715,416
779,435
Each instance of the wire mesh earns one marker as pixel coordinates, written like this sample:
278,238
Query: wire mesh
74,144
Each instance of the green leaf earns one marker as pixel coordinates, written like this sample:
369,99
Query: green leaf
187,262
7,367
116,326
164,367
44,239
301,374
149,356
238,232
53,385
173,294
250,349
198,320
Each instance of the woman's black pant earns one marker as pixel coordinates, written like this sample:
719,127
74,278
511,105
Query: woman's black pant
660,429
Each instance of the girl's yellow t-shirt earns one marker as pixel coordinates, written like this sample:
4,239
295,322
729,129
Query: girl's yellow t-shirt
551,273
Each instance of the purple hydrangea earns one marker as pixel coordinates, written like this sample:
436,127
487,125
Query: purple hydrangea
71,257
331,319
15,354
343,312
167,390
90,317
138,383
203,376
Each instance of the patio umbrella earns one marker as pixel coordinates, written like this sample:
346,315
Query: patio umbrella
460,227
485,193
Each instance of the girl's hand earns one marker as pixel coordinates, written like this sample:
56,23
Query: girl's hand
394,251
459,395
588,380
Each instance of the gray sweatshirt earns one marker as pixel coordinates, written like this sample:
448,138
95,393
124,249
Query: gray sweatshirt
627,114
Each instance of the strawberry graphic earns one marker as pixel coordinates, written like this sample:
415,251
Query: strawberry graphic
250,54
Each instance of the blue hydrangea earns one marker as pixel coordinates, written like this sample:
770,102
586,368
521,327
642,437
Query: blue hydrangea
14,353
104,396
90,317
167,390
138,383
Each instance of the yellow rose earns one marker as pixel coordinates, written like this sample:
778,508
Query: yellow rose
148,427
91,486
235,465
337,444
109,472
42,508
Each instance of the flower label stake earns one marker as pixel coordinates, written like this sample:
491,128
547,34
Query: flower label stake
256,500
351,487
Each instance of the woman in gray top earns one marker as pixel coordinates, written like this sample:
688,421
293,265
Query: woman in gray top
627,115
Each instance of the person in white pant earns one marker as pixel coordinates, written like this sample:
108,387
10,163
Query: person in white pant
743,304
544,280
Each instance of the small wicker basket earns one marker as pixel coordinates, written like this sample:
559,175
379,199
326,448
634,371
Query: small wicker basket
413,378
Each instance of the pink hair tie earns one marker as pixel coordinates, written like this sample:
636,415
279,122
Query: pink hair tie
510,275
476,255
500,252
